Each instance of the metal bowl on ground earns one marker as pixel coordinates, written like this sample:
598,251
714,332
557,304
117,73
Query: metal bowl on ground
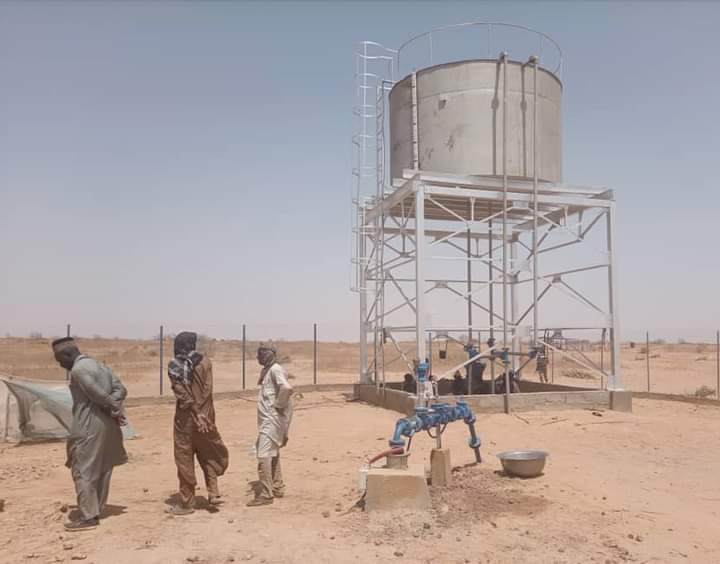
523,463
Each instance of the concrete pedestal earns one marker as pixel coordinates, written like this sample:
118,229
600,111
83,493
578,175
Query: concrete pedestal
388,488
440,467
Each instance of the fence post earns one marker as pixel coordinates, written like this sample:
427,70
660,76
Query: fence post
162,342
647,358
717,363
315,356
243,357
67,334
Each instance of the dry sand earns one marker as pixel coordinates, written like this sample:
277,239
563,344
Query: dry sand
618,487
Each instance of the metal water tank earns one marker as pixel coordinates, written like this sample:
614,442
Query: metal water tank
460,120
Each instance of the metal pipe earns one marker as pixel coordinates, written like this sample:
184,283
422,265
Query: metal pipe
602,359
415,141
516,344
243,356
315,355
504,57
420,285
363,297
615,380
162,363
491,308
534,62
647,358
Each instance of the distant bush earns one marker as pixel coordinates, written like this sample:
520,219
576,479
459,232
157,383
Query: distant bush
704,392
36,335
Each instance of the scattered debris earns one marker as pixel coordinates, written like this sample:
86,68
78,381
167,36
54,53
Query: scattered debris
78,557
326,514
67,546
398,553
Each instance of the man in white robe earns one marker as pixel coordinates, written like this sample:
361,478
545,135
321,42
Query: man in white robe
274,413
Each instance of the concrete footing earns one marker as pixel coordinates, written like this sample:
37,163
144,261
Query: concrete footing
388,488
564,398
440,467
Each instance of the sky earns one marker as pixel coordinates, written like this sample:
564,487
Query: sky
188,164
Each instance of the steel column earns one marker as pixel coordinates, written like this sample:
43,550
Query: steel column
615,379
420,283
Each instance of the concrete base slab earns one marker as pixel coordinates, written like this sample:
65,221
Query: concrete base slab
388,489
440,467
621,401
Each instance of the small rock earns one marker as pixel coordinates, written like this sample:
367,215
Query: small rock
67,546
314,458
145,490
338,508
631,536
416,534
493,524
458,539
64,508
638,538
510,501
398,553
426,525
604,498
326,514
248,557
2,505
192,559
78,557
332,537
378,542
561,549
230,559
231,520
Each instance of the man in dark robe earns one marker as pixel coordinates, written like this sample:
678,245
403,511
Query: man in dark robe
95,445
194,430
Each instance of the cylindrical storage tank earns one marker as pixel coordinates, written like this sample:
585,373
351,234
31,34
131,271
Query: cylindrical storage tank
460,120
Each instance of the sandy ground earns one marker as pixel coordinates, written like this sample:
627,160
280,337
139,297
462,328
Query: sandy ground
618,487
674,368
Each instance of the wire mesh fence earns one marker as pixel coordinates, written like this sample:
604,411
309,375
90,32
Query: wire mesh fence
651,365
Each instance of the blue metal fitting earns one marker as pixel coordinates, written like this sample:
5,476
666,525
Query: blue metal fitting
422,371
426,418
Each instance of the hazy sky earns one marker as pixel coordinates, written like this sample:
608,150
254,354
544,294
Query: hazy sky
189,163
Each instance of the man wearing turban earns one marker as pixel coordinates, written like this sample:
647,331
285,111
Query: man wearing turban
95,445
194,431
274,413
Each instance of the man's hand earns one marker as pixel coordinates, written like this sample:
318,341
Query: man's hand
204,425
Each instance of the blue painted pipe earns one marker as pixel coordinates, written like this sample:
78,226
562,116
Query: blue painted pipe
426,418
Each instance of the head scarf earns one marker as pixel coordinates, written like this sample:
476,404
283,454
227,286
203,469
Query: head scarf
182,367
270,358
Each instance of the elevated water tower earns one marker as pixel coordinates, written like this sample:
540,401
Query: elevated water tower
463,228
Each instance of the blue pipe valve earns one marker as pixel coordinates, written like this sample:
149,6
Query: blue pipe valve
426,418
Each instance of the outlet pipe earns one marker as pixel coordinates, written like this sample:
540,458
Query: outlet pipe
425,418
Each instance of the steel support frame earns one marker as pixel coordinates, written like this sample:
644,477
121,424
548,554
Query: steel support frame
407,246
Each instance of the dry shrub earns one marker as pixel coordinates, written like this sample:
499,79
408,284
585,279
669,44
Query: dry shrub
701,358
578,374
655,355
704,392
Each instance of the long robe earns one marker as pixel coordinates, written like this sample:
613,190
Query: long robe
273,426
196,399
95,444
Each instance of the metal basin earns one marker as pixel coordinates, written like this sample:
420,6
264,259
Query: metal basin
523,463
